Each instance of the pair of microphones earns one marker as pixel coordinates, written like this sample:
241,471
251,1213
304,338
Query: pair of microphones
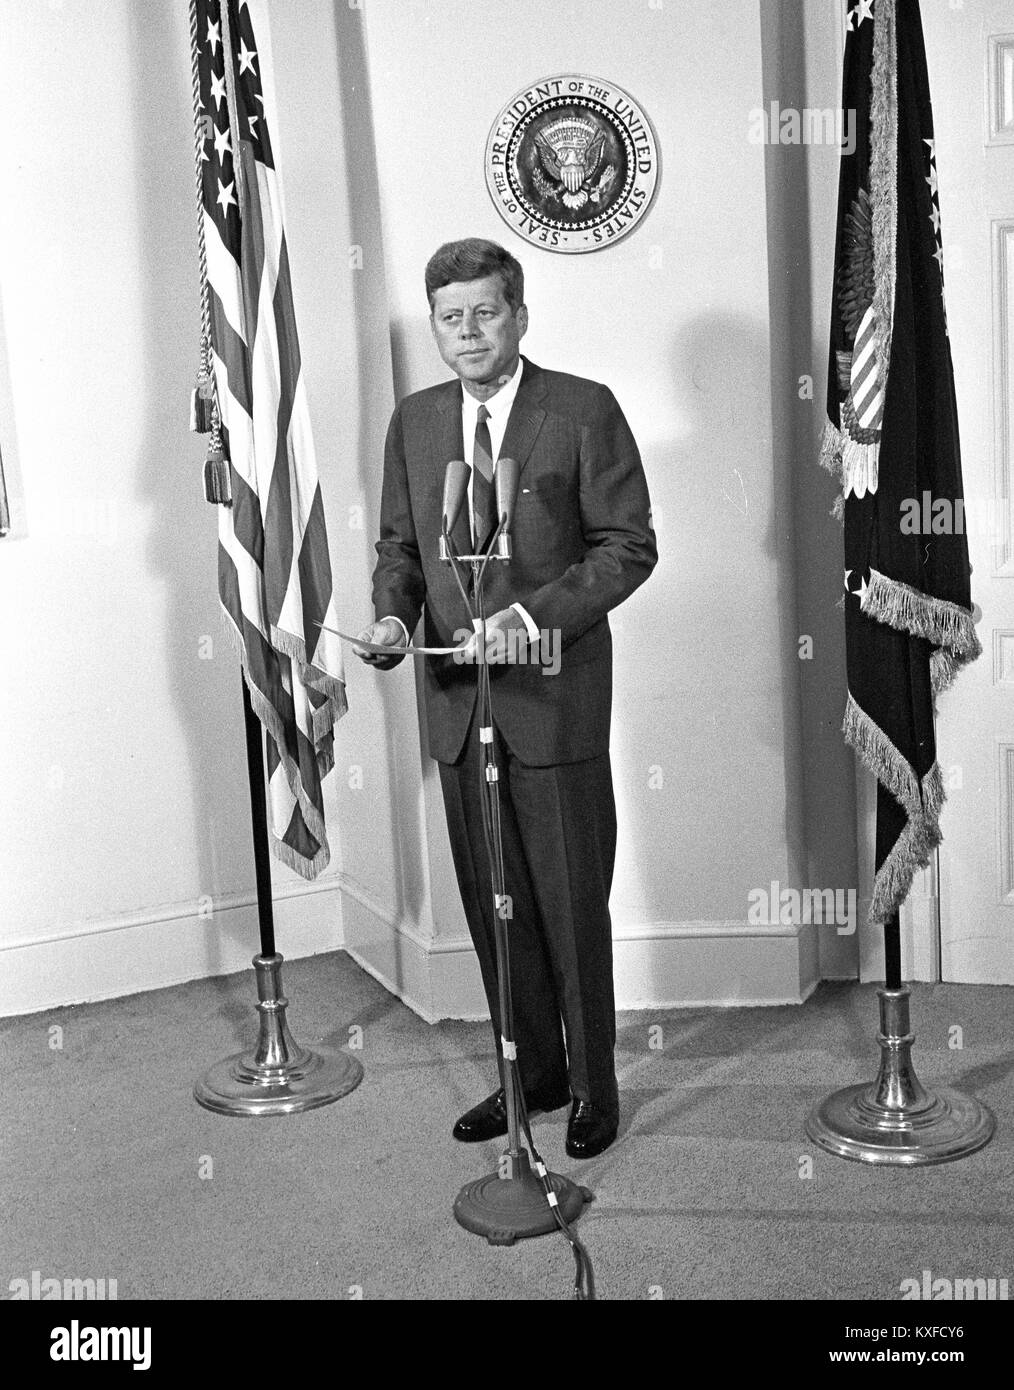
505,490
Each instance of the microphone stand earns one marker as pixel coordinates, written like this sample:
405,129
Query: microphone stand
514,1202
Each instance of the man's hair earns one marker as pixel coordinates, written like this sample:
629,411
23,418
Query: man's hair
474,259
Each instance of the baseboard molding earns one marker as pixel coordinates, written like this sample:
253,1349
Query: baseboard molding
656,966
436,979
676,965
169,945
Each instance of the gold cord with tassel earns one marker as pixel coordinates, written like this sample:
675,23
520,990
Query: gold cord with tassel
205,417
216,465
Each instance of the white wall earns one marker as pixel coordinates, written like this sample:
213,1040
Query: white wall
676,319
126,799
125,814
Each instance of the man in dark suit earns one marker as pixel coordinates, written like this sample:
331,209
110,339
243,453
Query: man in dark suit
582,542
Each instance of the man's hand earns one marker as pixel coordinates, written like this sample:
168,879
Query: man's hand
506,640
387,633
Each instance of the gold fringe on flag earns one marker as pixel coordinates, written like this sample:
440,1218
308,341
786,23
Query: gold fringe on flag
947,626
922,802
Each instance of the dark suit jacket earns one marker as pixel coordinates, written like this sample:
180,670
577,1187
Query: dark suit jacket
582,542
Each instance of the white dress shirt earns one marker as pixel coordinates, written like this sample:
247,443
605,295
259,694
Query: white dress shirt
499,407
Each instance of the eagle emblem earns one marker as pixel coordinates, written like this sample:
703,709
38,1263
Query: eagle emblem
570,151
572,163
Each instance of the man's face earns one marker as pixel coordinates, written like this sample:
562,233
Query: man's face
476,331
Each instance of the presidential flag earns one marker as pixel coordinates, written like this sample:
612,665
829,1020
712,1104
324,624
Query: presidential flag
892,438
274,570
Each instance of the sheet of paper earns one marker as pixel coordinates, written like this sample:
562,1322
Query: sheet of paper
390,651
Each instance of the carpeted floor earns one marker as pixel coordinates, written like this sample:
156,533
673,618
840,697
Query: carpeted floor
703,1196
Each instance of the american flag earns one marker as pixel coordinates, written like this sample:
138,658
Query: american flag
274,570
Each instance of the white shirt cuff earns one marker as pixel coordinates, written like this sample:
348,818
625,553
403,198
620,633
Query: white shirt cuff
526,618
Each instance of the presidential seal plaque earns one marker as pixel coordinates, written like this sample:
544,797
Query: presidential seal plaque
572,163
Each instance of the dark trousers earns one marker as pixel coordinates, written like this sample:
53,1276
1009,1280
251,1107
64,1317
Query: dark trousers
559,843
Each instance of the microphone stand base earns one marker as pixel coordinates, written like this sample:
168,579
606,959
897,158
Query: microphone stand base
506,1209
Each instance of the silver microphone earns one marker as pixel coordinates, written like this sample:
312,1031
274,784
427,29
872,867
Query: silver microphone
505,486
455,491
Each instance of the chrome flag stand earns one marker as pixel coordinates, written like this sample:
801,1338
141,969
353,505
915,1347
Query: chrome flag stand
277,1076
895,1119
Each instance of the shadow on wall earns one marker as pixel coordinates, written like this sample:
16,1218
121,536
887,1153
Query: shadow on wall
708,705
410,902
801,44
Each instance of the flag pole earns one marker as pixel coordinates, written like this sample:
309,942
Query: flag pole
258,801
277,1077
892,952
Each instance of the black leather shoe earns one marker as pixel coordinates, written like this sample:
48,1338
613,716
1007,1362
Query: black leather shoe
488,1119
591,1129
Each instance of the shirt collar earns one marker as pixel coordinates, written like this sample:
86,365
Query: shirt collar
499,404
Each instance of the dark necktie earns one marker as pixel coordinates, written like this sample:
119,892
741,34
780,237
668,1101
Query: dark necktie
484,516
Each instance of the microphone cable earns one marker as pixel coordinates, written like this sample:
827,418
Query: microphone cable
584,1273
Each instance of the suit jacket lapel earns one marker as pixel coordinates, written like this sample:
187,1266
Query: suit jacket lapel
449,444
526,417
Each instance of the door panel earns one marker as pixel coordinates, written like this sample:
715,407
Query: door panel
970,47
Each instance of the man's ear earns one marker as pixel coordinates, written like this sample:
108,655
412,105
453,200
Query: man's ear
433,324
522,319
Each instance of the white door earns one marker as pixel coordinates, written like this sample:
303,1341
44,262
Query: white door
970,50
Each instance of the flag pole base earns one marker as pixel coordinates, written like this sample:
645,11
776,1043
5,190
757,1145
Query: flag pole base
278,1077
514,1207
894,1119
